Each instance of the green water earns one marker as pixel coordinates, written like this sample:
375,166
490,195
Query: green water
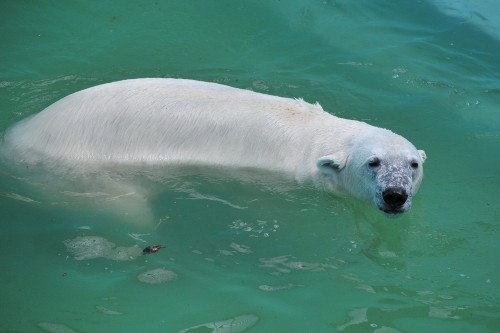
250,255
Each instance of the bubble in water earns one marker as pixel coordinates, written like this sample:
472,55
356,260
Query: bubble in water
157,276
90,247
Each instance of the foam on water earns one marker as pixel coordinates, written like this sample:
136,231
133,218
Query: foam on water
91,247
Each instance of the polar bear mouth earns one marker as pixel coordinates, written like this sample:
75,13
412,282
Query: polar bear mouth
393,211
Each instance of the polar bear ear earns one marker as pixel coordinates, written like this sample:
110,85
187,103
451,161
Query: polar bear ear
423,156
331,163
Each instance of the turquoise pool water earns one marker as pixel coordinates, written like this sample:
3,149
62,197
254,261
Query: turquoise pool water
247,254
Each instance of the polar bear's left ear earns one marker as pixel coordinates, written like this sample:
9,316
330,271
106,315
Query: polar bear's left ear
331,163
423,156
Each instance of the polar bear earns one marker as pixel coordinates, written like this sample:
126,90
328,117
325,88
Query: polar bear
177,122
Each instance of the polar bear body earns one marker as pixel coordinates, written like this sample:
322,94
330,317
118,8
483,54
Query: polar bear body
184,122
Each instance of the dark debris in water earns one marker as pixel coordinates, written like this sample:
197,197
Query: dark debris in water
152,249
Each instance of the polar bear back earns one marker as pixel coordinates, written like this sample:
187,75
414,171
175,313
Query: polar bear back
173,121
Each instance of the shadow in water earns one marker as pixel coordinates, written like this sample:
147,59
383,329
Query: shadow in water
387,240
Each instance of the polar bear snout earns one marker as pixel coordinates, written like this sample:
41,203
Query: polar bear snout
395,197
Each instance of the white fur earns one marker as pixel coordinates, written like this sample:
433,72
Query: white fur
183,122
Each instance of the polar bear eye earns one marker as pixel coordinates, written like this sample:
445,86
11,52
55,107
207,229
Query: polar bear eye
414,165
374,163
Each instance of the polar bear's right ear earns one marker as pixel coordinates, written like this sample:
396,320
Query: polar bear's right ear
331,163
422,154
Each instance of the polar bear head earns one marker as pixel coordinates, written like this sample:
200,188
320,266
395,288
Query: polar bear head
378,166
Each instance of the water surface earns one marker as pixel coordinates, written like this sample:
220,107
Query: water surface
248,254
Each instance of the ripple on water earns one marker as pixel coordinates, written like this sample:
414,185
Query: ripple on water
157,276
55,328
233,325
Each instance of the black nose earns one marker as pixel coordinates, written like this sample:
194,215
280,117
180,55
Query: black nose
395,197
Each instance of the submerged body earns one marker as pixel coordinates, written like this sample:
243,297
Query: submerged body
166,122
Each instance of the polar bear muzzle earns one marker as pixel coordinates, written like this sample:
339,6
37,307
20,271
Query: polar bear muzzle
394,198
395,178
